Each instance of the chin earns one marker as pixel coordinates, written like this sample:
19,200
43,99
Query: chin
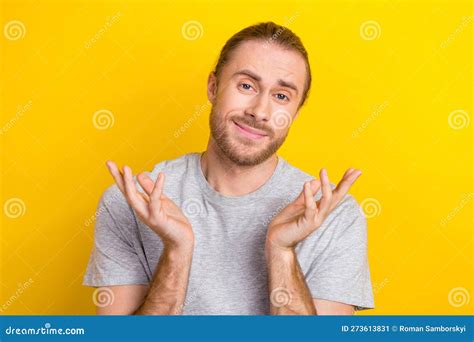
244,155
242,151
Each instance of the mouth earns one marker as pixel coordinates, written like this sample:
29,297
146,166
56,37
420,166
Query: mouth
249,132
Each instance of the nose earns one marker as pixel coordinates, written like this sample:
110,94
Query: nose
259,108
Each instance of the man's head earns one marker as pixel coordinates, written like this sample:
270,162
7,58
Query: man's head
260,82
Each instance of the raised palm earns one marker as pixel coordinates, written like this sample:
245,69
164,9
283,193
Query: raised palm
153,207
304,215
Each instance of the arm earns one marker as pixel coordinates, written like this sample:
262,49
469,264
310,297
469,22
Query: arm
168,287
125,300
164,296
167,290
289,293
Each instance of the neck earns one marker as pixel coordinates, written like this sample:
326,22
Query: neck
231,179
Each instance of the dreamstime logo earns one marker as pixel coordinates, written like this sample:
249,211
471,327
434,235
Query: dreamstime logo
458,119
102,297
192,208
375,114
103,119
458,297
379,286
14,208
265,221
191,119
14,297
288,22
466,21
21,110
192,30
370,30
14,30
104,29
280,296
281,119
370,207
464,201
103,208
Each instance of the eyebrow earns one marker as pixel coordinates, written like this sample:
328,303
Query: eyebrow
257,78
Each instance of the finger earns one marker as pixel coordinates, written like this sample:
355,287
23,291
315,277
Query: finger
326,199
146,182
136,201
308,196
158,189
314,185
344,185
116,174
156,202
145,197
309,202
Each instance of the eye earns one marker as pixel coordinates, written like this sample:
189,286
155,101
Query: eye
245,86
282,97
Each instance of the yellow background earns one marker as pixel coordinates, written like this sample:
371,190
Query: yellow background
381,101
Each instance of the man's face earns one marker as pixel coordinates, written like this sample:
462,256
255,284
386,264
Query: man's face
256,101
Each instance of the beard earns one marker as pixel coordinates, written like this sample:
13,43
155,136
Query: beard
243,152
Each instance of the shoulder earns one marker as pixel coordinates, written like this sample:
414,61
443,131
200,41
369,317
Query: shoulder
343,234
347,222
295,178
350,211
175,167
294,174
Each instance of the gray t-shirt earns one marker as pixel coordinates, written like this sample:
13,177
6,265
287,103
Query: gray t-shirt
228,273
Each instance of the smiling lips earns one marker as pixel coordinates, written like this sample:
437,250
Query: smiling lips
250,132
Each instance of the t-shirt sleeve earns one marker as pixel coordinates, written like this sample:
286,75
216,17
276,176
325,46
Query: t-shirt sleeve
337,261
114,259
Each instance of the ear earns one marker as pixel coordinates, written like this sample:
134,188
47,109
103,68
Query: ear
212,87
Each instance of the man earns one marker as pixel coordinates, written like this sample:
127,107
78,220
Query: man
235,229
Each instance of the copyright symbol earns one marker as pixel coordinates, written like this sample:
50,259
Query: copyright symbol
394,328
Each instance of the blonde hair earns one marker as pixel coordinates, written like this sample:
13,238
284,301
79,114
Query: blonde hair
268,32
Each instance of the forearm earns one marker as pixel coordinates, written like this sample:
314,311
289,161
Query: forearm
168,288
289,293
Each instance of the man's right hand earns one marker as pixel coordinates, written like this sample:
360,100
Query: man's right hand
154,208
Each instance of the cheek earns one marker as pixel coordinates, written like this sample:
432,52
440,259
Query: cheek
281,119
232,99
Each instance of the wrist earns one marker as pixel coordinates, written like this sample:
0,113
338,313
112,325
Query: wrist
274,243
276,252
183,242
179,250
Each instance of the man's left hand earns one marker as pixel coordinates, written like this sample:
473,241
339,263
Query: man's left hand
304,215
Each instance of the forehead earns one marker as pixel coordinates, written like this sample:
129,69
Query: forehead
268,60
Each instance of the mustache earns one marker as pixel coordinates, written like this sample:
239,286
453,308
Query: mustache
254,124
